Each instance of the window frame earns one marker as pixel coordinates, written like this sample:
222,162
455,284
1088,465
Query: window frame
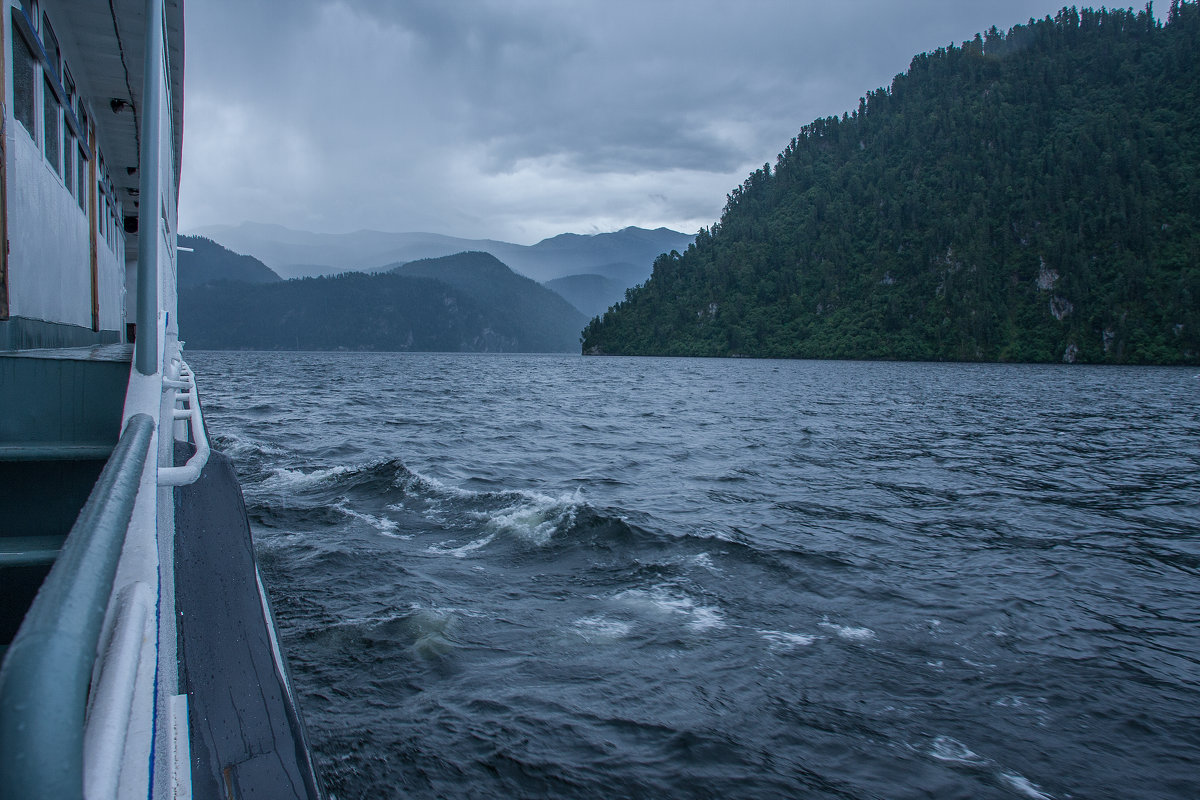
52,127
48,36
30,125
25,27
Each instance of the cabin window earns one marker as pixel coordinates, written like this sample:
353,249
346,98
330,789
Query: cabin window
82,181
24,84
68,84
81,177
53,130
98,188
69,151
50,42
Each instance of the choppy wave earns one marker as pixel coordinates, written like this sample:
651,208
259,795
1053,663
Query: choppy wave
644,578
394,494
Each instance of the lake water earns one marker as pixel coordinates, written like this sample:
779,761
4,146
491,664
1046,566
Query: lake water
550,576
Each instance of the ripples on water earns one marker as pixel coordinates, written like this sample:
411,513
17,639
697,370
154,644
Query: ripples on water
531,576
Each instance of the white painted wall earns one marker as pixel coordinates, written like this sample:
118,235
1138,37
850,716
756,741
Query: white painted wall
49,271
49,266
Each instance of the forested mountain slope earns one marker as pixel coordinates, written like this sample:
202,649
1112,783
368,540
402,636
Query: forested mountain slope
465,303
542,320
206,261
1029,196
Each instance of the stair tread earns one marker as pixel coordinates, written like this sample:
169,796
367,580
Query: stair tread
20,551
55,451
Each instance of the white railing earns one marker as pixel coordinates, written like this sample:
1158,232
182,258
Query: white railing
112,693
48,668
184,388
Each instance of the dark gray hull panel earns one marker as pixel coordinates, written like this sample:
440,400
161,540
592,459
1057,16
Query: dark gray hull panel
247,738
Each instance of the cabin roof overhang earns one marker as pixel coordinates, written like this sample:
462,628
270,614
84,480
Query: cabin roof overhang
111,40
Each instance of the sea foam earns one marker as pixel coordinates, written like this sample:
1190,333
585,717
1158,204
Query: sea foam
1024,786
601,629
669,601
382,524
850,633
784,640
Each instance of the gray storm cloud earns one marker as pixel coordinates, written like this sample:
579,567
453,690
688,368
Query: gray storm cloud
522,119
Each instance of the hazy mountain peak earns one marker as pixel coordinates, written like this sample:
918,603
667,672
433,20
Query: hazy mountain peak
294,253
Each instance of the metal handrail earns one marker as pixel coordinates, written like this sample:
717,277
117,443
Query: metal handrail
190,472
48,668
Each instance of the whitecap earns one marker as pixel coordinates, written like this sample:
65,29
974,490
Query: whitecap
601,629
432,630
785,640
704,561
382,524
435,486
667,601
535,517
945,748
461,551
850,633
1024,786
535,522
240,449
282,479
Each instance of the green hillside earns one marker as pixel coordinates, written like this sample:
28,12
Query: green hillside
1029,196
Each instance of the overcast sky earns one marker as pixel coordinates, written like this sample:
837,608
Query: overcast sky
522,119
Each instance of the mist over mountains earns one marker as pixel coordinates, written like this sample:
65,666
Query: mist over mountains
625,256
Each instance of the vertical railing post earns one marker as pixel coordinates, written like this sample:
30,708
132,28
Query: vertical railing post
149,200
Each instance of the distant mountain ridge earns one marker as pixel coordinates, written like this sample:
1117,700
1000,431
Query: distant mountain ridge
469,302
201,260
542,319
625,255
591,294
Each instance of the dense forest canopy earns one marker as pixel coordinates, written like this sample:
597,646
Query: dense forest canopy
1026,196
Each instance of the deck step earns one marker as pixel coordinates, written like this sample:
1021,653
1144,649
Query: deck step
56,451
30,551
